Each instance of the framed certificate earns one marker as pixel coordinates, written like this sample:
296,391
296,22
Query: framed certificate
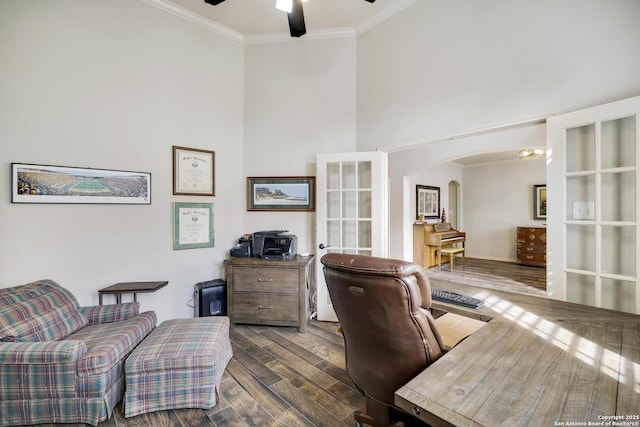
193,171
192,225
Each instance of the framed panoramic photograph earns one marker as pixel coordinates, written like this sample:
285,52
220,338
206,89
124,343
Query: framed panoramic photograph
192,225
540,201
66,184
427,202
293,193
193,171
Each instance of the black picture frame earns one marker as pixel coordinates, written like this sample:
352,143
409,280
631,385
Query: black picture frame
33,183
540,202
427,202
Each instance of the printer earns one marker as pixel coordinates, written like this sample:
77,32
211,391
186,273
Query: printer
274,244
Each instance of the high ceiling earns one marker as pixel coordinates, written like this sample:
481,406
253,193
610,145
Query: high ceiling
260,17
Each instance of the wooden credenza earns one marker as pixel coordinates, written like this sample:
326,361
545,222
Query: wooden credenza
269,292
532,246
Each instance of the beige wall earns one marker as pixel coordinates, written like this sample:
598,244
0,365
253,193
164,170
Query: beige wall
114,84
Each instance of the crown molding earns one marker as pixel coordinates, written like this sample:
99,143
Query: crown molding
330,33
387,13
197,19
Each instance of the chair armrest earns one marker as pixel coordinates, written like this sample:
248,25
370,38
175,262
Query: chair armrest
110,313
39,371
38,353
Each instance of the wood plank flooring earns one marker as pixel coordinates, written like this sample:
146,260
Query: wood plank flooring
505,276
278,377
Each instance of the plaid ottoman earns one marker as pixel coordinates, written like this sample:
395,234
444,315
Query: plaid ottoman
179,365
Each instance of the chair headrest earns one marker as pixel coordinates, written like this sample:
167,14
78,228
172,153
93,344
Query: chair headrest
369,265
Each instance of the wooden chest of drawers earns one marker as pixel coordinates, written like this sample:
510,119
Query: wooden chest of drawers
532,246
268,292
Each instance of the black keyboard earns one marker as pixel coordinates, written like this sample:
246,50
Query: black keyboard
455,298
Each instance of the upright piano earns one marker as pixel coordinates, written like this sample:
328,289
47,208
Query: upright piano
429,238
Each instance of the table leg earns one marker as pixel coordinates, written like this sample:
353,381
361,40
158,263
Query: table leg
100,298
135,297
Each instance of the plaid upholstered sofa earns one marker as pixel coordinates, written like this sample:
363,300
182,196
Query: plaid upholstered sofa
59,362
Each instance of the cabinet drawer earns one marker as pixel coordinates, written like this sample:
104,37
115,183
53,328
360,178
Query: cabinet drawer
265,307
532,258
531,249
530,235
264,279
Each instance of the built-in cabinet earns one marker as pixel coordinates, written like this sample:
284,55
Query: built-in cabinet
532,246
593,216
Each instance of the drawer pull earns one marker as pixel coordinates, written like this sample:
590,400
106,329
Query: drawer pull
530,249
262,307
529,256
262,279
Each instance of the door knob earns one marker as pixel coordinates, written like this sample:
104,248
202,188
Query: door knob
322,246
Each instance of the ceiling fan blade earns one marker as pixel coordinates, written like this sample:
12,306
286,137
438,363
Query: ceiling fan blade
217,2
296,20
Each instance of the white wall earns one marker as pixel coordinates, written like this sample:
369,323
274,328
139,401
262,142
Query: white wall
442,68
300,101
497,198
436,176
421,162
114,84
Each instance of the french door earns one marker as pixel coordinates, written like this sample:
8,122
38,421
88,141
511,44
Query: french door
352,212
593,225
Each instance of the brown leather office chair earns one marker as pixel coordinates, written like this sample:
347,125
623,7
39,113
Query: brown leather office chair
389,334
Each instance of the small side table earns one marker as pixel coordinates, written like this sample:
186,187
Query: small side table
130,287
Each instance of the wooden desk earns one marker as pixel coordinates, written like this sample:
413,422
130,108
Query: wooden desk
130,287
538,362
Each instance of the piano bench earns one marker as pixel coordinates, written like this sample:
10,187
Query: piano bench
452,252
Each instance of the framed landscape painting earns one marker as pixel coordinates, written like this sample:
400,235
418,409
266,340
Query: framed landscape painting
294,193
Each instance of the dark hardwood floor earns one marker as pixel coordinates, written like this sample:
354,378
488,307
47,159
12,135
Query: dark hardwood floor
278,377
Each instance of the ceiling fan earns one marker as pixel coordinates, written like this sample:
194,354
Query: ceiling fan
297,27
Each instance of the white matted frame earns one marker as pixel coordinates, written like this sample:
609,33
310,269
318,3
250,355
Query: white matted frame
32,183
427,201
193,171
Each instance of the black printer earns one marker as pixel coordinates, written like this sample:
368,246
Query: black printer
274,244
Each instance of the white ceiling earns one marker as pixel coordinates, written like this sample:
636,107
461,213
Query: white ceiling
260,17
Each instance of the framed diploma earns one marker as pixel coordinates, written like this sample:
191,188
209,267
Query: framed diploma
192,225
193,171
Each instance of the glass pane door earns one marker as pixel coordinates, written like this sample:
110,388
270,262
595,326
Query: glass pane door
351,211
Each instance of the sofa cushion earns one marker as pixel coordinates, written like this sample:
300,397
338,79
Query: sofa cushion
38,311
109,343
